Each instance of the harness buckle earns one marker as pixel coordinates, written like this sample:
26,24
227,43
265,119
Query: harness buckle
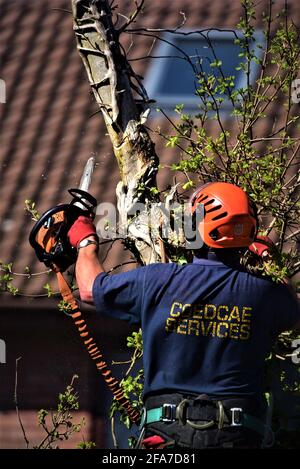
236,417
168,413
143,418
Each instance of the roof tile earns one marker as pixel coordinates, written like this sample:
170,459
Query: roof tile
47,132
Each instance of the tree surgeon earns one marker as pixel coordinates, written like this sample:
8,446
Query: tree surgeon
207,326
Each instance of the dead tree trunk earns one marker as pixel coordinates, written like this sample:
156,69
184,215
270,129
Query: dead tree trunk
112,82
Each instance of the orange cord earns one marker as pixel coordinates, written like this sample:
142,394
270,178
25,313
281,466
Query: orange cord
94,350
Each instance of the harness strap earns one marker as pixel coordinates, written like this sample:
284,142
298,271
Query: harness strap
171,413
94,350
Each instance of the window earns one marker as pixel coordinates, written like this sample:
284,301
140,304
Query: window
170,78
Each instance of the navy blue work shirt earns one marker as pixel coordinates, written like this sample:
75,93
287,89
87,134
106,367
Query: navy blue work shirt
207,327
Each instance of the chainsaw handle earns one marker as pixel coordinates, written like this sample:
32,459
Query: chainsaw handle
83,200
49,236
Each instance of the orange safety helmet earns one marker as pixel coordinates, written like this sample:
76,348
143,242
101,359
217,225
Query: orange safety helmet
229,220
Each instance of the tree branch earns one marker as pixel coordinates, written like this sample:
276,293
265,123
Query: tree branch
17,405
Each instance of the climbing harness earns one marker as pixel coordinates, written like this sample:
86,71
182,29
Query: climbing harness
185,413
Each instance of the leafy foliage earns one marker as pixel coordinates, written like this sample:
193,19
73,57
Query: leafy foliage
6,279
133,381
59,425
30,208
240,150
261,162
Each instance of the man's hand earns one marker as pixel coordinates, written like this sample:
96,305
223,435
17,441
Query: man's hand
87,265
81,229
87,269
262,247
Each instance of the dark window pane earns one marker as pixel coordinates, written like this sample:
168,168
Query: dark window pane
171,77
178,77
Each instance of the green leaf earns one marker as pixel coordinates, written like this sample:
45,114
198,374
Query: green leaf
188,185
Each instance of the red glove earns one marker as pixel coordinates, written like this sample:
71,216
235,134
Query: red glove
81,229
261,246
154,442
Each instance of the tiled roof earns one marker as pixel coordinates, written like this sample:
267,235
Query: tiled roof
48,129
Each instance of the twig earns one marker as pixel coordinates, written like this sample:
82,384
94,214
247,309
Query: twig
162,250
292,235
17,406
120,265
62,9
126,362
113,432
132,17
41,295
28,275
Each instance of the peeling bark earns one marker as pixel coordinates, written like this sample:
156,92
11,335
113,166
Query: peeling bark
109,75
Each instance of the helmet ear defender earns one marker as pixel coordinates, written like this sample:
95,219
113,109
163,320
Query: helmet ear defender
230,216
192,233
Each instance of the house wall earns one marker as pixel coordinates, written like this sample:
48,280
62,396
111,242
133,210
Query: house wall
51,354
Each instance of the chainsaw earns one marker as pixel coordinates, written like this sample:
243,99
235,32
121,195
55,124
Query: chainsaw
49,237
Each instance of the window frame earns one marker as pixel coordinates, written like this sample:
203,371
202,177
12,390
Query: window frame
159,65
